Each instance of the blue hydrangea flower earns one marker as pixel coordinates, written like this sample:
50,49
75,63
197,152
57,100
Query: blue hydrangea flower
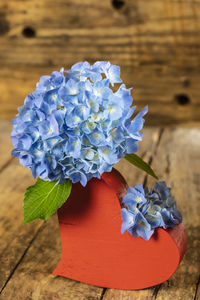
75,126
143,211
134,197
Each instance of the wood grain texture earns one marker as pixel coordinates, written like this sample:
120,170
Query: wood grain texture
33,280
197,294
14,179
11,190
156,42
5,144
29,253
15,237
146,294
177,162
33,252
179,153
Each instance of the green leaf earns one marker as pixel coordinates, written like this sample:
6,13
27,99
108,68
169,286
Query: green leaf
44,198
140,163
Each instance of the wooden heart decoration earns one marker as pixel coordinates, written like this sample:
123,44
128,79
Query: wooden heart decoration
95,252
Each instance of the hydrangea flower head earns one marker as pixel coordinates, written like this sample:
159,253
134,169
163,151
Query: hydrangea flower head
74,126
157,209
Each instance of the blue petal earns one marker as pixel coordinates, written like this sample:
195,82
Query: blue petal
155,220
116,136
82,111
108,155
80,66
97,138
143,228
134,196
125,94
77,176
88,153
103,66
52,96
139,188
73,147
142,112
128,220
114,111
72,119
131,145
49,128
44,83
113,74
88,127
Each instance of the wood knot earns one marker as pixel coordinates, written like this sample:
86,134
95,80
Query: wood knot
118,4
182,99
28,32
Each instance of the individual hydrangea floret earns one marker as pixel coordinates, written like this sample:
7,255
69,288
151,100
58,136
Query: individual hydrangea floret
74,126
144,211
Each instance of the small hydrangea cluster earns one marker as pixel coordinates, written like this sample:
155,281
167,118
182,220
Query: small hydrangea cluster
144,211
74,126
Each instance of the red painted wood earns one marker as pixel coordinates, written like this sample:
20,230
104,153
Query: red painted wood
93,249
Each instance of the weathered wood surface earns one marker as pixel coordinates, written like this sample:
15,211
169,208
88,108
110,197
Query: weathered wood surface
177,162
28,254
180,167
5,144
156,42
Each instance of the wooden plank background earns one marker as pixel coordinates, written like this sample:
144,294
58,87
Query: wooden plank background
156,42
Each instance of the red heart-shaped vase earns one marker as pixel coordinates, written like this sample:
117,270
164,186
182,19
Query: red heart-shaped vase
93,249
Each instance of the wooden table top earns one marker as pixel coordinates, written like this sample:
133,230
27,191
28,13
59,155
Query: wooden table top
29,254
